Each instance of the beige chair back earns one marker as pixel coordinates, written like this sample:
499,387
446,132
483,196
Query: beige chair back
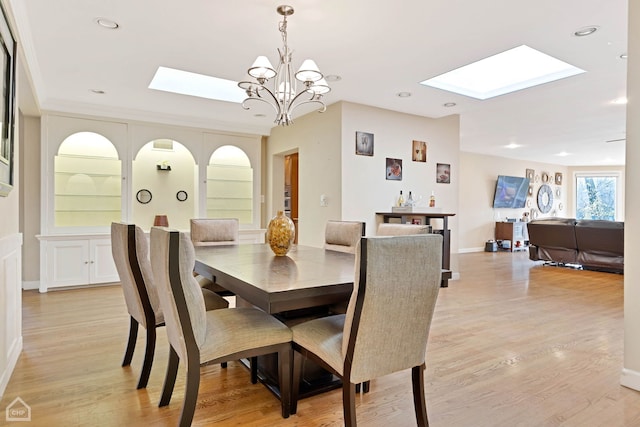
215,231
343,236
171,249
386,229
390,311
139,294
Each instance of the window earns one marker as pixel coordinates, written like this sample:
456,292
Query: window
597,195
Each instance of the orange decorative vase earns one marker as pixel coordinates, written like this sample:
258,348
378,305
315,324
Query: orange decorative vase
280,234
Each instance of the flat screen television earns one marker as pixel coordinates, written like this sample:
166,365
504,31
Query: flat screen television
511,192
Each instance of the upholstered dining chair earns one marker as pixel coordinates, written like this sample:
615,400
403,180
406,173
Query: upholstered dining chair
130,250
387,229
387,323
199,337
214,232
343,236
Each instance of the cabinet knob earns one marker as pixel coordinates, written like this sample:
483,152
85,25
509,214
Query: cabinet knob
86,262
91,262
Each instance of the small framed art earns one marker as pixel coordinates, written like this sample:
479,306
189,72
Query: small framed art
394,169
364,144
443,173
419,151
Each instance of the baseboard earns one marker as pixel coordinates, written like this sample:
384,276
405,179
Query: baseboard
630,379
470,250
12,359
30,285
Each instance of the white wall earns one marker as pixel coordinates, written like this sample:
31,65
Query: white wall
355,186
365,189
316,137
630,376
11,270
163,185
478,174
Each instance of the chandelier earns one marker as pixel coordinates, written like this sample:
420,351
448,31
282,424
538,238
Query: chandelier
282,94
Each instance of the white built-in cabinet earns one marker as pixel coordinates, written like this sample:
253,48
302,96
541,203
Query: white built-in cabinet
84,188
71,260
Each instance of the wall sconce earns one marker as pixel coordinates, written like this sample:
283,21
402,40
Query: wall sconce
163,166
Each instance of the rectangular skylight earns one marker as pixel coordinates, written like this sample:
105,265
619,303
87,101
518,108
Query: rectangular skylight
194,84
518,68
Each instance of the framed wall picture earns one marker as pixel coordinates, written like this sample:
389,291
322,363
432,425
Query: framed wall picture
530,174
364,144
558,178
443,173
419,151
393,169
7,105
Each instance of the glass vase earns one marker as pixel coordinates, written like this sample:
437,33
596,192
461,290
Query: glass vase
280,234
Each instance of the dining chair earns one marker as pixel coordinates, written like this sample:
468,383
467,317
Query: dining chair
199,337
214,232
130,251
343,236
387,229
387,323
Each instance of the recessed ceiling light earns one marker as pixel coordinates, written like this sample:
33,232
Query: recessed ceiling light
449,104
563,154
586,31
97,91
200,85
332,78
620,101
107,23
403,94
623,56
515,69
512,145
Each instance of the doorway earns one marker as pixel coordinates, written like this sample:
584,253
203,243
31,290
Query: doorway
291,189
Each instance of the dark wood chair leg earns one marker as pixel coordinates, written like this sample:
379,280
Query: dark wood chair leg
131,345
349,402
284,378
365,386
170,377
223,365
417,378
253,364
190,390
148,356
295,380
358,387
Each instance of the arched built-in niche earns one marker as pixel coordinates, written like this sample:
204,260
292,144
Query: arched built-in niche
164,168
87,183
230,185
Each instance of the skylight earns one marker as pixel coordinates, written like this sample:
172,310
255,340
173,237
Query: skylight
188,83
518,68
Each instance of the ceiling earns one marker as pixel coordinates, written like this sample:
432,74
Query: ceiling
378,48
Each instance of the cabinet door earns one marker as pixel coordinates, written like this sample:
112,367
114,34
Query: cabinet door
518,231
67,263
102,268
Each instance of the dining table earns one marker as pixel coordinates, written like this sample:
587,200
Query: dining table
306,277
298,286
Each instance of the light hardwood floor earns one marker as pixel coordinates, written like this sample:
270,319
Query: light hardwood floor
513,343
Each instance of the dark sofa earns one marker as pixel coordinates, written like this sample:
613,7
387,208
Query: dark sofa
592,244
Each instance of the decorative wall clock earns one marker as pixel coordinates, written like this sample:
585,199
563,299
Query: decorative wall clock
545,198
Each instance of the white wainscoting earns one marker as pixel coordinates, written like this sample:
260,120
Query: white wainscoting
10,306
